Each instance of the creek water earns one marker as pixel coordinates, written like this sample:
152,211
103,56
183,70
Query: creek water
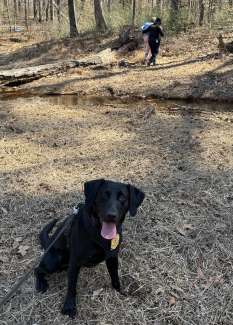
169,105
173,105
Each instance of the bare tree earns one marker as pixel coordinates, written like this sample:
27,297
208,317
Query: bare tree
47,11
26,13
39,4
15,13
19,6
6,4
35,11
51,9
133,12
211,9
201,12
72,19
99,18
174,13
58,8
192,12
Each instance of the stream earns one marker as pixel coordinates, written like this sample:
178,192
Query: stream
188,106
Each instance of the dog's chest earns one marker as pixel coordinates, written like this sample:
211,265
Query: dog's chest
94,256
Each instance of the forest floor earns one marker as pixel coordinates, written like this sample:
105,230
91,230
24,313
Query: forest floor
189,67
176,261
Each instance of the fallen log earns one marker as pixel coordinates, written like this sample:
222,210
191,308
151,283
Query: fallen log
17,77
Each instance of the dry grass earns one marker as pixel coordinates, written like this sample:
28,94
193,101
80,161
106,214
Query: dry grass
176,259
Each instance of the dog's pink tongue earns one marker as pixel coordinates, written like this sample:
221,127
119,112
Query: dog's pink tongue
108,230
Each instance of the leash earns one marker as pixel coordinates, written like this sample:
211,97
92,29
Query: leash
25,277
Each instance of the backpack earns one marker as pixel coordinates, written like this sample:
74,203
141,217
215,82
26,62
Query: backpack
145,27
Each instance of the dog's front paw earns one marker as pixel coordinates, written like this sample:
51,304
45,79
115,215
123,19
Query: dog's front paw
69,307
123,293
116,285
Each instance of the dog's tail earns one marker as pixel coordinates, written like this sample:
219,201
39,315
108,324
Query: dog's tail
44,235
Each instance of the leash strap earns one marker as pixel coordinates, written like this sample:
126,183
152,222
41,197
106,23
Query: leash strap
25,276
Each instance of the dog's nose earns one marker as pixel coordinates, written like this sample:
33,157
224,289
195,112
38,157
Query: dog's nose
111,217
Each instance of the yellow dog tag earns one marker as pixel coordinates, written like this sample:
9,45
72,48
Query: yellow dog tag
115,242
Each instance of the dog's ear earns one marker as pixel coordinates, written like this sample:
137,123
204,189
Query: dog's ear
90,191
136,198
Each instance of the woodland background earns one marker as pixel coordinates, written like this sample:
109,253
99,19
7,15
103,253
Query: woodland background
59,18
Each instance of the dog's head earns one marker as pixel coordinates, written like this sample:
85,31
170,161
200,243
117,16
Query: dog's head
109,202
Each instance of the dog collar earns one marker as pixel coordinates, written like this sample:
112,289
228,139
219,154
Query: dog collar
115,242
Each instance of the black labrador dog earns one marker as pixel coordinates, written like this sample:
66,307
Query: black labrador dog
93,235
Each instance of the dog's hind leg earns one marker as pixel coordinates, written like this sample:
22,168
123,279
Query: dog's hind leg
44,235
41,282
50,263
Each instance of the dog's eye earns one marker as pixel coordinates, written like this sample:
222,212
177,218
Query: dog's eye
121,198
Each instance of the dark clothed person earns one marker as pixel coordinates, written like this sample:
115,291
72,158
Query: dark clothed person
155,34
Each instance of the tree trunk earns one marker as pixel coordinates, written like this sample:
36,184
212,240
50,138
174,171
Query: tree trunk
51,9
35,9
58,10
26,13
211,10
99,18
15,13
47,11
39,10
8,13
72,19
19,6
174,15
201,12
133,12
190,8
44,6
